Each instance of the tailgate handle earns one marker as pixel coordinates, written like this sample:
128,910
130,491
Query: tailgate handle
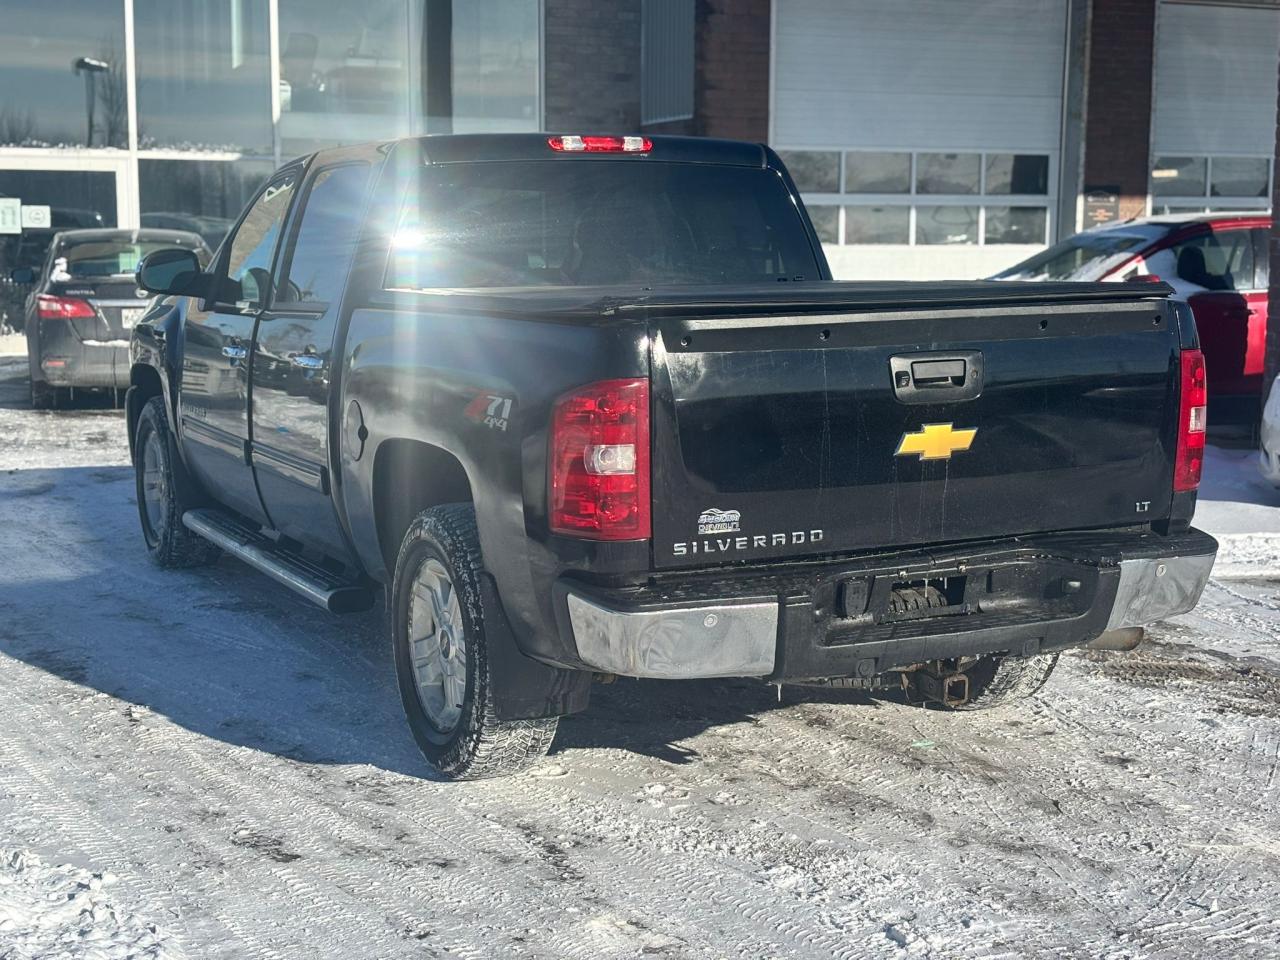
937,377
938,373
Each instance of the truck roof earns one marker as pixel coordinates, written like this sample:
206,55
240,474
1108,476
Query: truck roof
474,147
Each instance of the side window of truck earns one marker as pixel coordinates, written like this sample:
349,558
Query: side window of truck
254,243
315,266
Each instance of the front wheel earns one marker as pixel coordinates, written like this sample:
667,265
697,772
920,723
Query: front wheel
164,494
438,634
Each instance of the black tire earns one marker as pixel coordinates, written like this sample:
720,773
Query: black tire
169,542
477,744
43,396
997,681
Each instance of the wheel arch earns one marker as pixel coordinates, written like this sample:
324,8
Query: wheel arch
144,383
410,476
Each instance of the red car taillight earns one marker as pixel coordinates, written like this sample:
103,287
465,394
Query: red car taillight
599,484
50,307
1191,423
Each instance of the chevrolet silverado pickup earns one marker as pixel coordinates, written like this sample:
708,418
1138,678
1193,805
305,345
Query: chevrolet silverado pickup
585,406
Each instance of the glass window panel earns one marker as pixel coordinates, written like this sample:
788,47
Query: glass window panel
344,72
203,196
1026,173
1240,177
826,222
946,224
45,102
813,171
515,224
1261,257
948,172
877,172
326,238
1217,260
254,242
495,66
877,224
1178,177
203,75
1016,224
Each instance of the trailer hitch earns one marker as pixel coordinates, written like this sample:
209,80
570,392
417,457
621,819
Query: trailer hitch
930,683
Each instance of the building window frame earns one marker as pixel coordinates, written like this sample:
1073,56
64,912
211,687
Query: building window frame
1207,202
914,200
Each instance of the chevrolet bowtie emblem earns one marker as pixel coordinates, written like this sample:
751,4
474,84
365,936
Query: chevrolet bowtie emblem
936,441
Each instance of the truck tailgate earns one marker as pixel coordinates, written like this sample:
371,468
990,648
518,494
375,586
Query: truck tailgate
843,430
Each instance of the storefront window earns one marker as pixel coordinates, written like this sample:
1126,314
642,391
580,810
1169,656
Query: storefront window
344,72
495,66
203,75
46,101
202,196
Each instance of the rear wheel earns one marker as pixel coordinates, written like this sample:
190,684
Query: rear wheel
164,494
438,634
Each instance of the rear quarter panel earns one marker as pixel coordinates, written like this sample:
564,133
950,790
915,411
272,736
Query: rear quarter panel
481,387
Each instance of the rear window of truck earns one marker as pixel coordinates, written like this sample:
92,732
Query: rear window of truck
567,223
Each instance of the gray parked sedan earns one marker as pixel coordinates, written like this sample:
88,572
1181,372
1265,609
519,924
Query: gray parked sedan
83,305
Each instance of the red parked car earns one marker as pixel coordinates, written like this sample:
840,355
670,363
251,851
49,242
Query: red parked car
1218,263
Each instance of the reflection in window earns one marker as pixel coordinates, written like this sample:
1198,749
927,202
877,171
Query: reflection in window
1178,177
47,103
327,235
254,242
495,66
946,224
877,172
813,171
1240,177
1025,173
344,72
203,75
877,224
1016,225
201,196
948,172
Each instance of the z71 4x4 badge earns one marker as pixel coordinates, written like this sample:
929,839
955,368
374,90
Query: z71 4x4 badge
714,520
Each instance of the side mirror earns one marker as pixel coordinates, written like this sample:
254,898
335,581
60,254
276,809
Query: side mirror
22,275
172,271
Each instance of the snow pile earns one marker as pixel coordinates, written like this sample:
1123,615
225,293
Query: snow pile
63,912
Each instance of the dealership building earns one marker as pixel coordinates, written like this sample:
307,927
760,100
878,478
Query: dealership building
931,138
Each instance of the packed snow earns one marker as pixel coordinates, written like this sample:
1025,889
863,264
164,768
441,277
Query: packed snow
200,764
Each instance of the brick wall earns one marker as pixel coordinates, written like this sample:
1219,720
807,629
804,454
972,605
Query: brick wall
592,68
731,86
592,65
1118,104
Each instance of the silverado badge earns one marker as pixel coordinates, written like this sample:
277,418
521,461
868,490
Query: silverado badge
936,441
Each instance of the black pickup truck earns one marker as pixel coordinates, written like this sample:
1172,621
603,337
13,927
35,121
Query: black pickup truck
594,406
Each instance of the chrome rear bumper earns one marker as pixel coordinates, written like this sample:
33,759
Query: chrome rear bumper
728,637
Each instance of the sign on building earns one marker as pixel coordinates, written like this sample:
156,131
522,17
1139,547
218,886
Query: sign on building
10,215
36,217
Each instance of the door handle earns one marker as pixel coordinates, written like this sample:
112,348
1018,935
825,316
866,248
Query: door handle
234,353
308,361
937,377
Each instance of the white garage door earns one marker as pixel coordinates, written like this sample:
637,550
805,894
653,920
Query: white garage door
1213,129
925,133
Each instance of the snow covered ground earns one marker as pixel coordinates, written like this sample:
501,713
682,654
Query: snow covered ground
200,764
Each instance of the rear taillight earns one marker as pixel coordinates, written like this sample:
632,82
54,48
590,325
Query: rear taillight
50,307
1191,423
599,484
600,144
